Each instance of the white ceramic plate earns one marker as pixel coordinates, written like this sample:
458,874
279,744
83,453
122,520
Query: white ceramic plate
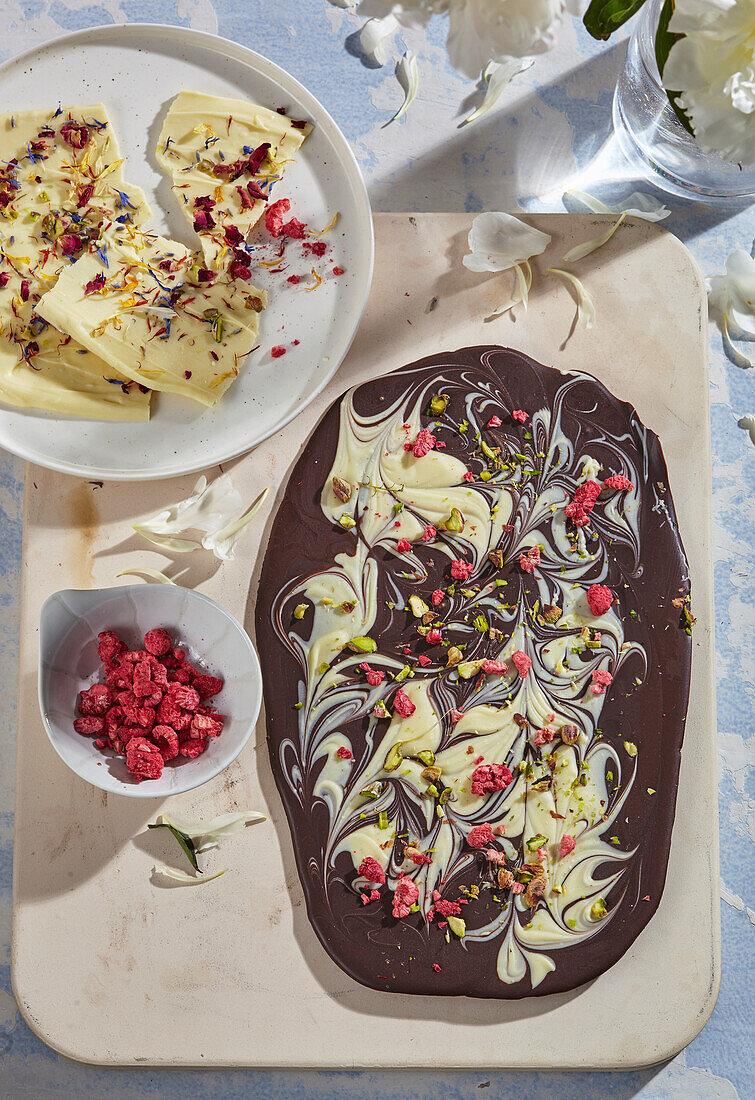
136,71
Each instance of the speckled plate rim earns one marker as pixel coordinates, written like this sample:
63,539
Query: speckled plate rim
234,51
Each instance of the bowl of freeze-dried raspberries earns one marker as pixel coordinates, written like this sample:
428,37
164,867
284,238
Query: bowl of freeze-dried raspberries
146,690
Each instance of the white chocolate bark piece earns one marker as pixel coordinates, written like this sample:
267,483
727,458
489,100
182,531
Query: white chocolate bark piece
215,150
149,314
60,188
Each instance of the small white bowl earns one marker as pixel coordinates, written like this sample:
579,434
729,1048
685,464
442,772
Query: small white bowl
68,662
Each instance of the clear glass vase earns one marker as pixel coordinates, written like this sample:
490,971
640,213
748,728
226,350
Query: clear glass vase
652,137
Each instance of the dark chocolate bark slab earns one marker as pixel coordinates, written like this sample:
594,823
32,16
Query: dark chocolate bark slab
588,820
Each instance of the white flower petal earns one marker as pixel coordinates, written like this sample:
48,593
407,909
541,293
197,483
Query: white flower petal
587,247
733,293
408,77
498,241
522,293
223,542
344,3
208,834
713,69
638,205
747,424
144,571
586,313
374,35
166,542
481,30
498,76
738,358
184,877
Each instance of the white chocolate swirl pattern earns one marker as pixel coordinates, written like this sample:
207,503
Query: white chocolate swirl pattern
576,790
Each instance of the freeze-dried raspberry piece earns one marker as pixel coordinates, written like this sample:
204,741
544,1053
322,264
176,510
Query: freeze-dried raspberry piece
133,656
583,503
529,560
404,896
127,733
461,570
115,717
158,672
568,844
599,598
118,678
488,778
206,725
180,675
143,683
618,482
370,869
402,704
89,726
183,723
96,700
145,716
522,662
600,681
480,836
158,641
143,759
274,216
109,645
166,740
185,697
168,712
193,747
207,686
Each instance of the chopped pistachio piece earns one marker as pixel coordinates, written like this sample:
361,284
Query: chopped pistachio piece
394,758
598,910
457,926
362,645
347,522
300,610
536,842
455,521
342,489
439,401
418,607
468,669
630,748
372,790
426,757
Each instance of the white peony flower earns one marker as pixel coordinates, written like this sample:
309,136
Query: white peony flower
733,295
500,241
480,31
713,69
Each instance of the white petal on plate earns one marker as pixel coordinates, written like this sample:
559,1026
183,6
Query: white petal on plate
208,834
585,305
498,76
498,241
223,542
165,542
522,293
344,3
374,35
587,247
182,876
638,205
738,358
163,312
145,571
408,77
747,424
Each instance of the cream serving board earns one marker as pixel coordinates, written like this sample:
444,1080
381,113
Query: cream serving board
110,968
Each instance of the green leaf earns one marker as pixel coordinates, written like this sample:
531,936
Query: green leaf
183,839
664,40
603,17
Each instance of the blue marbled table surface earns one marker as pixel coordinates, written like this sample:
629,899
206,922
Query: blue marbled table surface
543,137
